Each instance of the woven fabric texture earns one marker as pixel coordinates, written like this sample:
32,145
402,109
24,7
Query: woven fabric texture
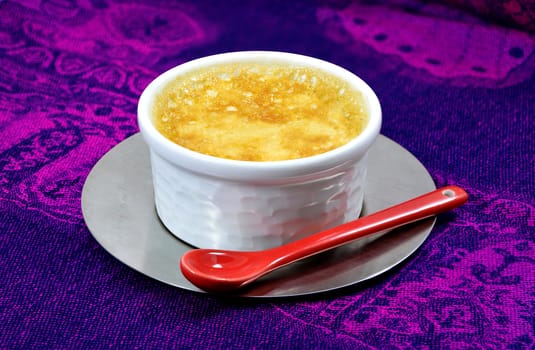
457,90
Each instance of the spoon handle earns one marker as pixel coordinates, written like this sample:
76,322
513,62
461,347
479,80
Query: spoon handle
429,204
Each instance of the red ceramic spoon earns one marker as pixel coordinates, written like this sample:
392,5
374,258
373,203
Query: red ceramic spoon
225,270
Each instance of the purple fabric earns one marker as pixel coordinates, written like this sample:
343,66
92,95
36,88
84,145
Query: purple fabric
456,90
516,13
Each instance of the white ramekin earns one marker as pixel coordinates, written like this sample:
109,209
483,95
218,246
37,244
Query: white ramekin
211,202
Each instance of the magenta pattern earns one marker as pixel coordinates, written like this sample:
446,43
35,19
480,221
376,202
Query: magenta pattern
470,52
457,86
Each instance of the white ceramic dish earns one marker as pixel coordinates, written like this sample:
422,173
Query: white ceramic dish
212,202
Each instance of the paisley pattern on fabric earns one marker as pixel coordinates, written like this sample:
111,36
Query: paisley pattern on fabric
457,87
98,73
471,53
455,288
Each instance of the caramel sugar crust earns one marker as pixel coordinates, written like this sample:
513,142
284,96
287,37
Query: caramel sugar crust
259,112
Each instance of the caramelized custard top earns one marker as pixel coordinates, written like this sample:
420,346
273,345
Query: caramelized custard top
259,112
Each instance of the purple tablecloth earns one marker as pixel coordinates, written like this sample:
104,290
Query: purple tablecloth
457,90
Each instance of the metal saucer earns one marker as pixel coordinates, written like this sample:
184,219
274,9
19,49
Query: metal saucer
118,208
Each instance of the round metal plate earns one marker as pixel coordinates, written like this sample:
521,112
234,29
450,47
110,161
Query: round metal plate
118,207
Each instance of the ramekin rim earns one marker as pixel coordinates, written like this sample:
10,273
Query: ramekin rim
240,169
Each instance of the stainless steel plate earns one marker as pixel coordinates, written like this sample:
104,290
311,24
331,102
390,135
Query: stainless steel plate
118,207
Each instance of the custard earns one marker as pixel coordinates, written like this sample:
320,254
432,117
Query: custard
259,112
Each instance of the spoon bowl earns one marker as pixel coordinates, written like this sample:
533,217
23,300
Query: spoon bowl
219,270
